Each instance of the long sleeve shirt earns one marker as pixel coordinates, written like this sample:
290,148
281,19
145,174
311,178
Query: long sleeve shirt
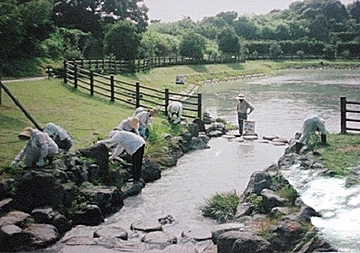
175,108
55,130
124,140
39,140
244,107
311,125
144,118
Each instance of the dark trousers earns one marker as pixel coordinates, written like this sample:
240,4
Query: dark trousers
137,159
241,118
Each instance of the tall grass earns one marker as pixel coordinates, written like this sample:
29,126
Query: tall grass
221,207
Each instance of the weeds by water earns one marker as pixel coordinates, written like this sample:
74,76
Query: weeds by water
221,207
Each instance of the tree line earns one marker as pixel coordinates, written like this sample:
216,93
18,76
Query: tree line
32,31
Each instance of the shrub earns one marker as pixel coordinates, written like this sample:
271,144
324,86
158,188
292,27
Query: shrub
221,207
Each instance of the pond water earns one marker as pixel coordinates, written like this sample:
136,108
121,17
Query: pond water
281,104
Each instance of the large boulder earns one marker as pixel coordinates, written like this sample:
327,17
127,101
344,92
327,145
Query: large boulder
150,171
240,242
89,215
38,189
98,152
108,198
259,180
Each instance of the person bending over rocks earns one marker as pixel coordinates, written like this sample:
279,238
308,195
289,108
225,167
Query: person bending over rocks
130,124
310,126
133,144
174,108
38,148
145,120
61,137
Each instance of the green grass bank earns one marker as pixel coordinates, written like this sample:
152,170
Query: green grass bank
91,118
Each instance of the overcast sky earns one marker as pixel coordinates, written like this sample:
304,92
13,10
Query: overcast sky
174,10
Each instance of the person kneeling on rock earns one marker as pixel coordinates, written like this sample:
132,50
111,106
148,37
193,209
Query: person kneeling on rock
39,148
133,144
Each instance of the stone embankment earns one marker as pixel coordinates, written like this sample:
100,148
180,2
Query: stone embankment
69,201
80,189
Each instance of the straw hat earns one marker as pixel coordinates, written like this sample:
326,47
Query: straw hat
153,112
133,122
26,133
240,96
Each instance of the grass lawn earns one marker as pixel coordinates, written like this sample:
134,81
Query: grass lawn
87,119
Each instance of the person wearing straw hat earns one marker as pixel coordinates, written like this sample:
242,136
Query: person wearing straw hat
61,137
145,120
133,144
130,124
174,108
243,108
39,147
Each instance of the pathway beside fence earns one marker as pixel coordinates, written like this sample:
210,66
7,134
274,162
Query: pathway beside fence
349,114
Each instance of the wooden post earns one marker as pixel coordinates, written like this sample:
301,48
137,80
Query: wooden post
199,105
112,88
65,72
0,81
75,76
91,83
20,106
137,95
343,114
166,101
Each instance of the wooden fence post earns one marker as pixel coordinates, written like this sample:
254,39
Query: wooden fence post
112,88
75,76
65,70
343,114
137,95
166,101
199,105
91,83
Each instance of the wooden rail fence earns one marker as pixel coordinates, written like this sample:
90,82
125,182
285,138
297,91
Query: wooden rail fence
130,94
113,66
348,114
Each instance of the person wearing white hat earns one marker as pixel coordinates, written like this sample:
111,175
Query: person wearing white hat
175,108
133,144
130,124
61,137
243,108
145,120
38,148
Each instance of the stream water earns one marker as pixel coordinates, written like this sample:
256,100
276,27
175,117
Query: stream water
281,104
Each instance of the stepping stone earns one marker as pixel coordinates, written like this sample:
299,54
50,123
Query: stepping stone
270,138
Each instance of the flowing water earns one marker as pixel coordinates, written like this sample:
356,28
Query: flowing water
281,104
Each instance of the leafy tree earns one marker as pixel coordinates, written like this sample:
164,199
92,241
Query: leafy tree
192,45
122,40
246,29
156,44
89,15
229,43
229,17
354,10
275,50
23,26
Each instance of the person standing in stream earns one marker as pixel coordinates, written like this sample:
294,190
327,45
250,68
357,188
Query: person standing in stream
243,108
